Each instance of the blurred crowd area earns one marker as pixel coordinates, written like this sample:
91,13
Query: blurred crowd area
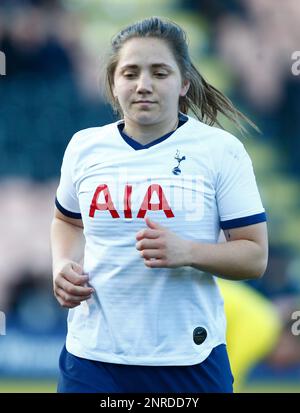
54,54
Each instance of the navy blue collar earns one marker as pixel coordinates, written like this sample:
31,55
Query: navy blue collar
138,146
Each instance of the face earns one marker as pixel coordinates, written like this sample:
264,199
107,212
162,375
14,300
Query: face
147,82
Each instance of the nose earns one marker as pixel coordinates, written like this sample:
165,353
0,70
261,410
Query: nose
144,83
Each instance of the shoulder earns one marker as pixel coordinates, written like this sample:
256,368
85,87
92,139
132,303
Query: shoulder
215,134
86,145
88,140
87,135
219,142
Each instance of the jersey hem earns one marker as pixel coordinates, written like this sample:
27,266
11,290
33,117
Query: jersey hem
141,361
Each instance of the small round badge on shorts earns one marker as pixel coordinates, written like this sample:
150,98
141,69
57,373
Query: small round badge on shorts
199,335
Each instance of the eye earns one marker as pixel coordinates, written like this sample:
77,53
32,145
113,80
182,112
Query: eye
161,74
129,75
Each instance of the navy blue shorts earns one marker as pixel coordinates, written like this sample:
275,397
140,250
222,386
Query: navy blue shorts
79,375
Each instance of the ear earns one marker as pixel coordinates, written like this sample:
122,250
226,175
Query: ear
185,87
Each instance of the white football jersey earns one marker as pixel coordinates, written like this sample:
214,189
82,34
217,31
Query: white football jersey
195,182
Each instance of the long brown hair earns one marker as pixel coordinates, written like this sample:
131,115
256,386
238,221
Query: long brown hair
203,99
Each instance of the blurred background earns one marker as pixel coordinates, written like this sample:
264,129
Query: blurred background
54,51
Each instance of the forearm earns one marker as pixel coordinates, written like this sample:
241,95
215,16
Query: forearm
234,260
67,242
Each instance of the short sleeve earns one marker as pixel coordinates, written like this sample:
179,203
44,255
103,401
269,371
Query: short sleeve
238,198
66,197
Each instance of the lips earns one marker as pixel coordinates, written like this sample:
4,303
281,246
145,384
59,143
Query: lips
144,101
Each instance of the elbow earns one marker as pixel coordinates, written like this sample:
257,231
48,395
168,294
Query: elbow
260,261
259,269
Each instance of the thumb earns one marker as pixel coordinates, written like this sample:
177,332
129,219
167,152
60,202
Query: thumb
77,268
152,224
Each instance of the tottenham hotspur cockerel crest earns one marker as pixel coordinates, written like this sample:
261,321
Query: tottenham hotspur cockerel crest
176,170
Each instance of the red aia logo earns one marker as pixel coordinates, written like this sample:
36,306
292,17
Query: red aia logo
162,205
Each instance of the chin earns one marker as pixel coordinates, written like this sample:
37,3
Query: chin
145,119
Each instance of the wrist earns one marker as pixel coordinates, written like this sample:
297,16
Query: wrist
57,265
190,254
196,254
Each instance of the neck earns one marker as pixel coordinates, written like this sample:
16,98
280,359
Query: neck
145,134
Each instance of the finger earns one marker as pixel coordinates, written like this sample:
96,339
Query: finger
74,278
66,304
153,225
147,233
73,289
148,244
156,263
71,298
148,254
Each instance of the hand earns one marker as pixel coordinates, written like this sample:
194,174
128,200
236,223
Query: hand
161,247
68,285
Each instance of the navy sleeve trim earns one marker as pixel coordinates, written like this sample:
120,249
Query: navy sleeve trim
66,212
244,221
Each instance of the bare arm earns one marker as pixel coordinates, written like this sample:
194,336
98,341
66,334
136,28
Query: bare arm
67,245
67,240
244,256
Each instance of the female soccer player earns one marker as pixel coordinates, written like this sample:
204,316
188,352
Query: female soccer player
142,202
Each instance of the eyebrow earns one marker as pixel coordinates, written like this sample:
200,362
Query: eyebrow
154,65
